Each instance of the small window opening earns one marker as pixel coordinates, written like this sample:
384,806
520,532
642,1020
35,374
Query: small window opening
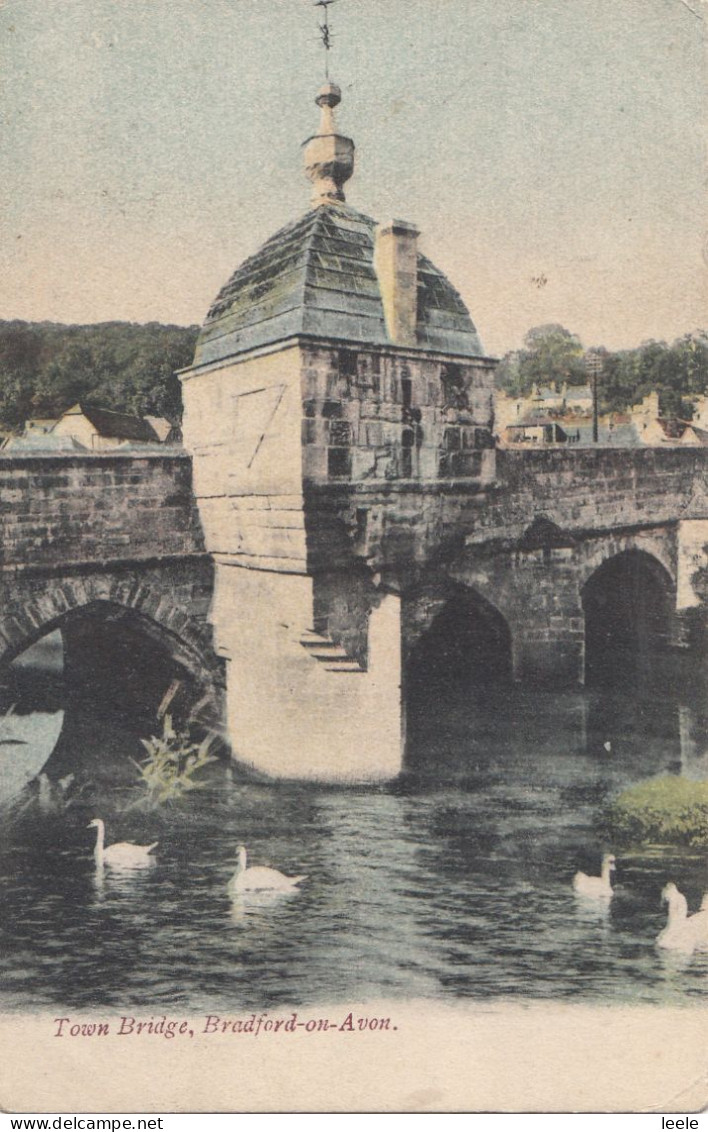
348,363
339,462
407,443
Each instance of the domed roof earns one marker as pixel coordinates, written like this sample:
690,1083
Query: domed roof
316,277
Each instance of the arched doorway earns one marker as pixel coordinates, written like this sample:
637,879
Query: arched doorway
628,605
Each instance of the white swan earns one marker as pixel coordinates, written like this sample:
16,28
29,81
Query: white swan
683,932
598,888
259,878
121,855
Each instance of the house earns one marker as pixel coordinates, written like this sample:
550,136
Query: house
102,429
645,412
39,426
535,428
167,432
41,443
694,436
700,411
577,398
661,431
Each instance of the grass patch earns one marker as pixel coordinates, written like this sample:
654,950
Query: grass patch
667,811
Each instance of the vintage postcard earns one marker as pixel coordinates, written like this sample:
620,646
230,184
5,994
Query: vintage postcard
354,593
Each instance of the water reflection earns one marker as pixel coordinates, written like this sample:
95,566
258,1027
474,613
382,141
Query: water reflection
454,882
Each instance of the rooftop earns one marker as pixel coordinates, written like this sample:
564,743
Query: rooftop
317,276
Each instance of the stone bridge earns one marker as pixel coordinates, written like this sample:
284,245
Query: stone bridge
109,549
528,570
530,544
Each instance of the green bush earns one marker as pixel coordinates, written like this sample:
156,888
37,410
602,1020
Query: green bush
172,762
668,811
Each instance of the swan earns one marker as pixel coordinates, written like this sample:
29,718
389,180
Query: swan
683,932
599,888
260,879
122,855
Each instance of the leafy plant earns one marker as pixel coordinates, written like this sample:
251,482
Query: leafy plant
669,811
173,760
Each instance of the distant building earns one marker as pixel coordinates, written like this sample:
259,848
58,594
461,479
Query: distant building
167,432
39,426
694,436
535,429
102,429
548,416
87,428
645,414
543,416
700,411
43,443
577,398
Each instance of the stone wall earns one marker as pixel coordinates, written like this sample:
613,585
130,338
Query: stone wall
242,426
402,527
388,415
117,535
59,510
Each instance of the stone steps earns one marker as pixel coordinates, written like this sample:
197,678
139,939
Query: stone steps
326,652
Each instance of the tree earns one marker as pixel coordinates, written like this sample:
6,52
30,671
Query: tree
551,354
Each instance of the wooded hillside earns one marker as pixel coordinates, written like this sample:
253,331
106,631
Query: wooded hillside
45,367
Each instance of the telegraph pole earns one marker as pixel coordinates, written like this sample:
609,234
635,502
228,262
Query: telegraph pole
594,365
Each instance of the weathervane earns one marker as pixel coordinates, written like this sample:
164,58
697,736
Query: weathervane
325,30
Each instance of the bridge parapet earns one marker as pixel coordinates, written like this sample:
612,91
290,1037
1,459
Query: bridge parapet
57,511
585,493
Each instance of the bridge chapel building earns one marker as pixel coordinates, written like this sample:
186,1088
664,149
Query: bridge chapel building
338,380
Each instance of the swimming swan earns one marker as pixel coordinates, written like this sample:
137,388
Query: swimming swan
122,855
260,879
599,888
683,932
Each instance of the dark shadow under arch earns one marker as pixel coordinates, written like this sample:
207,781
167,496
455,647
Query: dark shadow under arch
462,659
121,659
467,645
628,604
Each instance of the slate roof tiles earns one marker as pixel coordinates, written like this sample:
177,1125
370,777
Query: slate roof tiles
316,277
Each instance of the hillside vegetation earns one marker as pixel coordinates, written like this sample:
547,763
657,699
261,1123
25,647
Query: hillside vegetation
45,367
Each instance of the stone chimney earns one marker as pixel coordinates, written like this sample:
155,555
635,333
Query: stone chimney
329,156
396,264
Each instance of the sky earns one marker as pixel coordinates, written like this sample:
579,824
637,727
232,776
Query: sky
551,152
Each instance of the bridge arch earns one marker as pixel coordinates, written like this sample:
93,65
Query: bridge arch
456,639
628,604
138,630
658,546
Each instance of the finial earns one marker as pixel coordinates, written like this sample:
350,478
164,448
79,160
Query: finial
329,156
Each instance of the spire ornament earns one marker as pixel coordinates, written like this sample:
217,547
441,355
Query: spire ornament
329,156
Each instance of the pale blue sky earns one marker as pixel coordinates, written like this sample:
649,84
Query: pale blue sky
147,148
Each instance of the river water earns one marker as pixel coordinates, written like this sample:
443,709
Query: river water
453,883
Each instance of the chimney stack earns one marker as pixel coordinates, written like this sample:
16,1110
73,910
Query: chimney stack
396,264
